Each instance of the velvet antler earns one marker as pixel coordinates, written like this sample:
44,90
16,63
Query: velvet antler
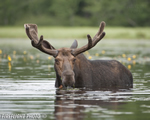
91,42
42,45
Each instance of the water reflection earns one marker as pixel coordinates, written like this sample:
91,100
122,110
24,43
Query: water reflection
77,104
66,107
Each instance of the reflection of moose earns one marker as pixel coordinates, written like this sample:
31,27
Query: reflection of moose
73,69
66,108
70,108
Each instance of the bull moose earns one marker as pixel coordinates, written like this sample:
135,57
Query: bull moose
73,69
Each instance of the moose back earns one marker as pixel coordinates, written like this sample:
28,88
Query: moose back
75,70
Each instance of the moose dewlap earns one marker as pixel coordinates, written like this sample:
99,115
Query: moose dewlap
75,70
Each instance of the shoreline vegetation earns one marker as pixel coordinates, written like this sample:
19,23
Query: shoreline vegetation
78,32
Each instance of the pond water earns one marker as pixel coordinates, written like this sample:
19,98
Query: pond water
27,80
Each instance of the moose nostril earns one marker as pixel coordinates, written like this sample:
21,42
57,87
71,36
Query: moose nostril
68,81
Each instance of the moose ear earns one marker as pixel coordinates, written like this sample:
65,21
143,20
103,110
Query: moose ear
74,44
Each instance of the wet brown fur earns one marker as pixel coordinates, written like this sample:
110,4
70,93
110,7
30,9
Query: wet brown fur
98,74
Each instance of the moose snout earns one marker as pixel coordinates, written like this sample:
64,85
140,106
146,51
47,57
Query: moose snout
68,78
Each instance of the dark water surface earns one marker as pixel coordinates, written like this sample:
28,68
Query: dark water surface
27,80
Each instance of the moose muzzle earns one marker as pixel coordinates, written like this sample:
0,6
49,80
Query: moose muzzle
68,79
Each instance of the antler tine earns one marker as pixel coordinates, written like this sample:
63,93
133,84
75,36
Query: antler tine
27,31
100,34
39,44
91,42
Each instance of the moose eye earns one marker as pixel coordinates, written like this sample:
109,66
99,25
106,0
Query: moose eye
56,61
74,60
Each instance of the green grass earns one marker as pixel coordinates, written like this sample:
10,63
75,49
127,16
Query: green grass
78,32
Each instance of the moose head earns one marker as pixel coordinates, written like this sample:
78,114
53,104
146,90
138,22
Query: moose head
65,58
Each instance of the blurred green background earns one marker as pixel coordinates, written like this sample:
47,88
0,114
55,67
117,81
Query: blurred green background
82,15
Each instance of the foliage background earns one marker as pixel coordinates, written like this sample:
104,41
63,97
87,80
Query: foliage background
128,13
